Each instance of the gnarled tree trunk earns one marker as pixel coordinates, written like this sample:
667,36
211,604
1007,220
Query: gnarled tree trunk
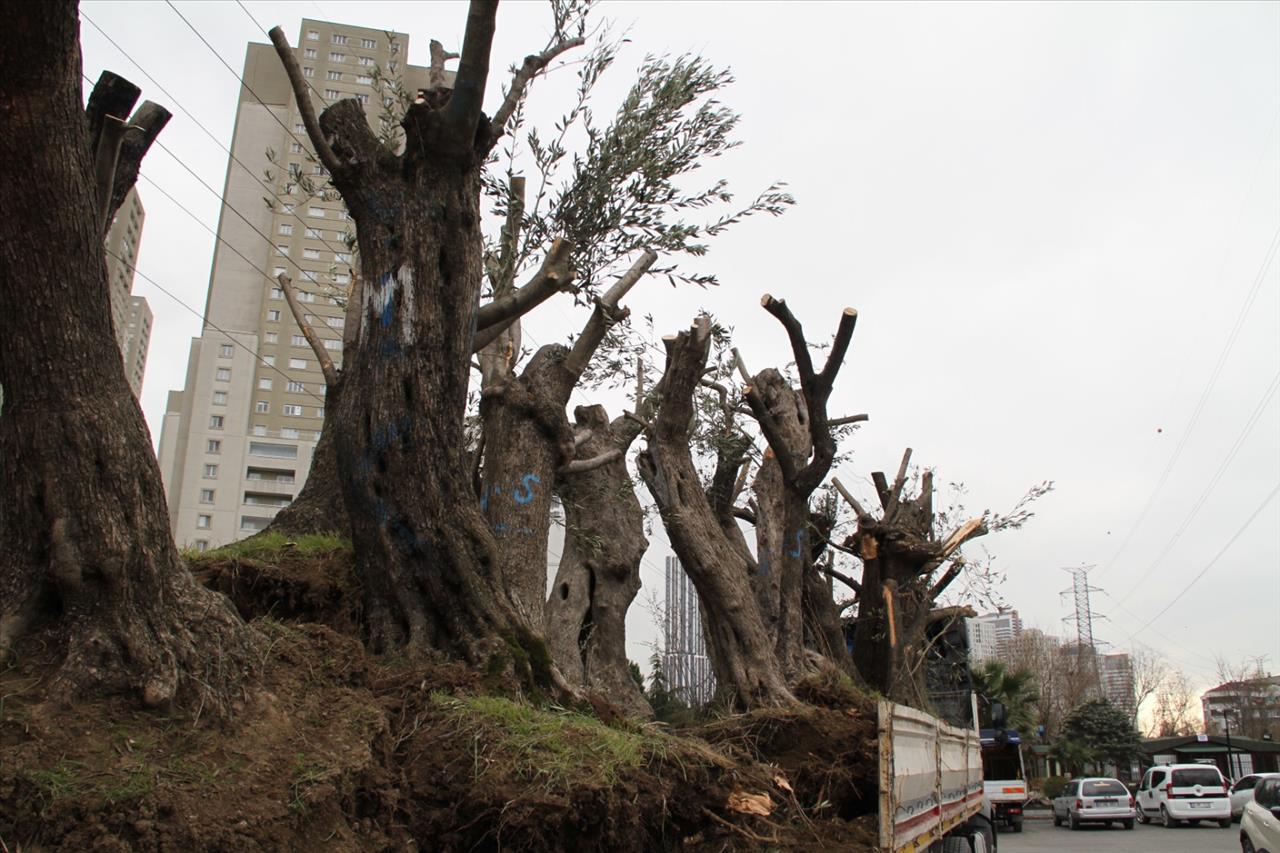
599,572
88,556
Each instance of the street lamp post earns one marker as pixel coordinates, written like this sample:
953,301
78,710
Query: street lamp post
1226,721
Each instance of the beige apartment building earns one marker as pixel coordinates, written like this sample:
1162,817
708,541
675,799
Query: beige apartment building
236,441
130,315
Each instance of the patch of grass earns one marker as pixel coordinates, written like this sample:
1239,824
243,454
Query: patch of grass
65,779
271,546
306,774
560,747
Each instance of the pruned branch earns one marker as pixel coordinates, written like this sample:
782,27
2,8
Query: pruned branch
533,66
104,166
322,355
795,333
971,529
850,499
112,95
840,576
851,419
305,108
580,466
839,346
554,275
605,314
899,483
144,126
435,72
953,571
467,100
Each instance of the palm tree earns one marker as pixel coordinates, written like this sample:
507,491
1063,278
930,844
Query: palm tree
1015,689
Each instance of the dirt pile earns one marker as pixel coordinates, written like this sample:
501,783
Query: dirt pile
335,749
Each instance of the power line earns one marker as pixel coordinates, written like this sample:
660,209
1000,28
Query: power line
268,32
1204,395
1210,564
1250,423
207,321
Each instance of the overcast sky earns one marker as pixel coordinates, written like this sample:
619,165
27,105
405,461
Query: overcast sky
1057,222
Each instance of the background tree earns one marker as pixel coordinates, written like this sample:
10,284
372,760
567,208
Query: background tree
88,557
1015,689
1150,668
1177,709
1095,733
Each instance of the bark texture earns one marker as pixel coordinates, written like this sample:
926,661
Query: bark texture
599,572
747,672
87,556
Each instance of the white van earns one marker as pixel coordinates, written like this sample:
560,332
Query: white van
1177,792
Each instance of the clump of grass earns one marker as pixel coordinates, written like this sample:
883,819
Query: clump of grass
558,747
270,546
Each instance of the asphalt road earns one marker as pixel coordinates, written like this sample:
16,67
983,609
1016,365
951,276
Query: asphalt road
1041,836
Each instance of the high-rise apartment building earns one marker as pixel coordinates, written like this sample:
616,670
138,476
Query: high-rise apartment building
1115,672
236,441
130,315
991,634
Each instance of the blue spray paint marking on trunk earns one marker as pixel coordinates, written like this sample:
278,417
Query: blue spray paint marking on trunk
796,552
526,482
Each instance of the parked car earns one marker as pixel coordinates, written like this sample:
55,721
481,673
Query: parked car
1242,792
1095,799
1184,792
1260,825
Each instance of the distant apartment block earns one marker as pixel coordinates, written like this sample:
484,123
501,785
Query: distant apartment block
236,441
130,315
1252,707
1115,673
990,635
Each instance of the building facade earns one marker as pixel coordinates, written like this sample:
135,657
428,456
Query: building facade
992,634
1115,674
685,664
237,440
1252,707
130,315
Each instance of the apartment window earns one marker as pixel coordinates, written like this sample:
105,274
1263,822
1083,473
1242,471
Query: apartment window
309,53
296,387
316,211
294,148
271,337
313,35
259,429
333,75
364,79
332,94
269,360
341,214
211,472
306,296
273,451
364,99
388,101
215,421
298,341
298,363
202,544
273,316
319,411
364,60
311,254
391,66
264,384
278,292
288,432
332,344
310,319
339,38
342,278
368,44
206,496
395,47
226,350
223,374
308,71
308,275
213,445
335,322
286,229
337,57
299,128
292,410
219,398
283,251
203,521
262,407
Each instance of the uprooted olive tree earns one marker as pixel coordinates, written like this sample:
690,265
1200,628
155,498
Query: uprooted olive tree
88,562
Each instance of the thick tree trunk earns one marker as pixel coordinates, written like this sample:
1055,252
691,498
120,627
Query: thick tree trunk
747,673
87,553
599,572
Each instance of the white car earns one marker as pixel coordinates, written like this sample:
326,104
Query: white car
1174,793
1260,825
1242,791
1097,799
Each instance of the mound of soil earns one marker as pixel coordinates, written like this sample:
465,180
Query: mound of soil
303,587
335,749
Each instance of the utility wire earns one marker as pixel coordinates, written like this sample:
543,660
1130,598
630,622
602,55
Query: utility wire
1204,395
1210,564
1252,422
268,33
158,286
177,103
